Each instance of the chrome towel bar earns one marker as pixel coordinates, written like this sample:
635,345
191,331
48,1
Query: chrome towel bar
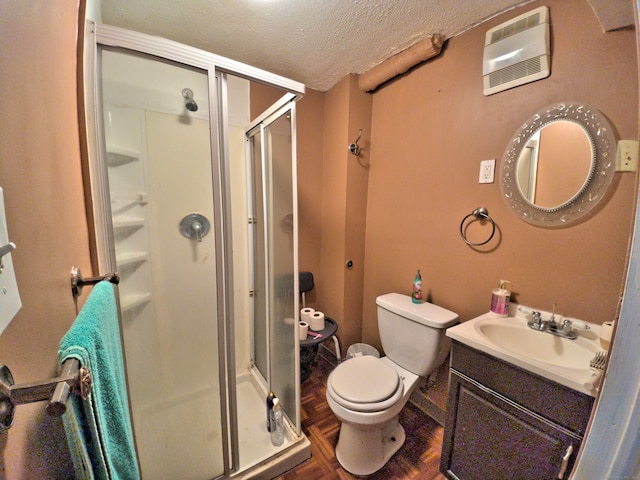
73,378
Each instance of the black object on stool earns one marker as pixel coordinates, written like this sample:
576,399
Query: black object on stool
306,285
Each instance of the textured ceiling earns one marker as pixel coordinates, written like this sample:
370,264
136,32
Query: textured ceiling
316,42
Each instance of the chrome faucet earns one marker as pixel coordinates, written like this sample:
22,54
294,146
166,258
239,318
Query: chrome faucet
563,329
551,323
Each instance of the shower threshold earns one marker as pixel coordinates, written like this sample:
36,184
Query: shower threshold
258,457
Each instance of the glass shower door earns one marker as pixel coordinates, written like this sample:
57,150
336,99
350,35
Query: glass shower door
275,300
161,186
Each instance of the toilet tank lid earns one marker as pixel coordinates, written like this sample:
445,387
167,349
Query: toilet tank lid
425,313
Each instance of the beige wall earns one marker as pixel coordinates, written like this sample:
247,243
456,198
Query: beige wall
430,130
310,118
41,176
344,204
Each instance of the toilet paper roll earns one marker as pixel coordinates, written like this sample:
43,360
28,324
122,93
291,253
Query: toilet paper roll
304,329
305,315
606,331
317,321
593,382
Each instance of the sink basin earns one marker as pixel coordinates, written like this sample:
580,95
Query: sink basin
517,337
556,358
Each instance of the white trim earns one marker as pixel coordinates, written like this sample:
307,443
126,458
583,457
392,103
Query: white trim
161,47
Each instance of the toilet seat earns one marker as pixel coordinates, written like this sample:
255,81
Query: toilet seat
365,384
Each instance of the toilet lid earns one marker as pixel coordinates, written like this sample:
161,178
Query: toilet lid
364,380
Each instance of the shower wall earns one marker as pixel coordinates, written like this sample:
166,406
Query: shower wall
185,306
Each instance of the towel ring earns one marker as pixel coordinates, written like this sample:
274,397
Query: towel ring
480,213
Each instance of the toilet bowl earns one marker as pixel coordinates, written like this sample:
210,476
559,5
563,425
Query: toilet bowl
367,393
370,432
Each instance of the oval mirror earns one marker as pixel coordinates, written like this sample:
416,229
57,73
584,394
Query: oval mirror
558,165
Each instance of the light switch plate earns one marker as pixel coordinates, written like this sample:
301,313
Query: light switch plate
10,302
627,156
487,170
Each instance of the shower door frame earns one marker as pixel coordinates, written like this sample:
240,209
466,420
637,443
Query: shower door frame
286,104
97,35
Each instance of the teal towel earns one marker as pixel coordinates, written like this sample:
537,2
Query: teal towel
99,429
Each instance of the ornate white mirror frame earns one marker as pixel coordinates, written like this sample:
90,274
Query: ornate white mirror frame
601,136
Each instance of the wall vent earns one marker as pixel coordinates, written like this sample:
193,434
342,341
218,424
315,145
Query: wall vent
517,52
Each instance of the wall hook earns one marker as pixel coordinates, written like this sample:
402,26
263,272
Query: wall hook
354,148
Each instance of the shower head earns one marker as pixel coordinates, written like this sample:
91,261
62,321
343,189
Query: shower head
190,104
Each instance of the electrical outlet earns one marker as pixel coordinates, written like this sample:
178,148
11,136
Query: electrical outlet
627,156
487,170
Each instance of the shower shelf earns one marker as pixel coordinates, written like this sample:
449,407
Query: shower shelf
134,199
123,223
131,258
120,156
129,302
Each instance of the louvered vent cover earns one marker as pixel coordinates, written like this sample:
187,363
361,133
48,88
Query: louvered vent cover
511,28
517,52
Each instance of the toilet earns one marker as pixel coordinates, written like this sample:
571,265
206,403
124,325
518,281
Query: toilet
367,393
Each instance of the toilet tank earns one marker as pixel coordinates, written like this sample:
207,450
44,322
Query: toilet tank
413,334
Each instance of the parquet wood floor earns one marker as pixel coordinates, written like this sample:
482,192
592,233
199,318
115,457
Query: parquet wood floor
418,459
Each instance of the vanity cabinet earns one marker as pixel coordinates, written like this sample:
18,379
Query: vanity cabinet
504,422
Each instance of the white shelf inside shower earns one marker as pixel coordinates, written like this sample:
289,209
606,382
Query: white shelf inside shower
141,198
131,258
127,222
120,156
129,302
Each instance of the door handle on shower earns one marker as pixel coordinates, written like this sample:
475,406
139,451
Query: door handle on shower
194,226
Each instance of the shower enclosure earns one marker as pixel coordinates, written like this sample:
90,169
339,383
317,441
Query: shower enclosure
195,207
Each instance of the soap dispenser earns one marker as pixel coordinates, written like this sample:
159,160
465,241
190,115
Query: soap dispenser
416,295
500,299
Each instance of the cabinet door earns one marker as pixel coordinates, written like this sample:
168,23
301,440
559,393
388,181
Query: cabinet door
493,438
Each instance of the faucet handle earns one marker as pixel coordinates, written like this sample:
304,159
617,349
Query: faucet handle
536,318
536,321
569,323
526,310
